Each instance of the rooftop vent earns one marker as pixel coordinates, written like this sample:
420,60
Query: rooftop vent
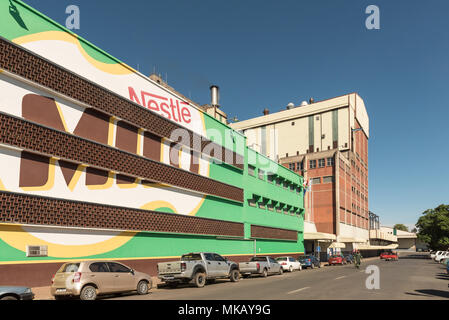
215,96
266,112
291,105
304,103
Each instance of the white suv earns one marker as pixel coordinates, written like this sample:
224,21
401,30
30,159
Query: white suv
441,255
289,263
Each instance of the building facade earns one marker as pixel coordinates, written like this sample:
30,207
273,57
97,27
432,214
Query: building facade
98,161
327,143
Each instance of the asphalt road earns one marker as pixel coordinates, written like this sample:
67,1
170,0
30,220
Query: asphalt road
414,276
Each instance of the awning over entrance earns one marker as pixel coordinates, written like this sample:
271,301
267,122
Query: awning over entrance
337,245
319,236
369,247
353,240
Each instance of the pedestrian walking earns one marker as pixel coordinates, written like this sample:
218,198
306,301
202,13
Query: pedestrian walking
357,259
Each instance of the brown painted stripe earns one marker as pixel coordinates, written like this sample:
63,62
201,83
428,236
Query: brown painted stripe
33,137
31,66
273,233
37,210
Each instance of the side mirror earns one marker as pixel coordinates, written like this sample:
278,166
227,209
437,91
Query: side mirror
132,271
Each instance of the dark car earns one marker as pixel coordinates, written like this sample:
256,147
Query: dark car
16,293
309,261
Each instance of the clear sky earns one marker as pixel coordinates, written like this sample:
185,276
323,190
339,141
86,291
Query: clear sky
265,54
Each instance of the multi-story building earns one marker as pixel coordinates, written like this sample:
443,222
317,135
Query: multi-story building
100,161
327,143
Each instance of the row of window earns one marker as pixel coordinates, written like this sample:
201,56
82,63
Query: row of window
273,179
326,179
298,166
270,205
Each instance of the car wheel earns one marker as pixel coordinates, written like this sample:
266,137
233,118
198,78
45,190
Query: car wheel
9,298
142,287
88,293
265,273
235,275
290,269
199,279
281,271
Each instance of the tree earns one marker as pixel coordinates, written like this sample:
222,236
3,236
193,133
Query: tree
433,227
400,226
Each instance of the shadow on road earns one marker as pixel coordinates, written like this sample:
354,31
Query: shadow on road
430,293
414,256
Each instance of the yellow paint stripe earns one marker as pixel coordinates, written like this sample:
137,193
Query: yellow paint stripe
116,68
2,186
111,130
76,177
64,123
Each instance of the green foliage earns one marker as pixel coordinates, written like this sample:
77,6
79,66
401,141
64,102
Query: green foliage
400,226
433,227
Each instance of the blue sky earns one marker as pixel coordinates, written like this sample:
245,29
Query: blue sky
265,54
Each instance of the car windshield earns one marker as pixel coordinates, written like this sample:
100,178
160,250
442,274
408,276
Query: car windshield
305,257
258,259
281,259
70,267
191,257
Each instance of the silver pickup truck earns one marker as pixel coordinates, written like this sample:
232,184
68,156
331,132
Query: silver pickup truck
198,267
262,266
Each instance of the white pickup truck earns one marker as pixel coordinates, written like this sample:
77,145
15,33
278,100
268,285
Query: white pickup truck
199,267
262,266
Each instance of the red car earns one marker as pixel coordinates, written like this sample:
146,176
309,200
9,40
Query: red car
388,255
336,259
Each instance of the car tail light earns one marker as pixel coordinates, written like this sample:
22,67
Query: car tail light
258,266
308,260
53,279
183,266
76,277
284,263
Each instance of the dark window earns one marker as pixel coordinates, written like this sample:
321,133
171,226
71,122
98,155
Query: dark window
315,180
251,170
291,166
330,162
117,267
261,174
321,163
71,267
312,164
270,177
98,267
219,258
209,256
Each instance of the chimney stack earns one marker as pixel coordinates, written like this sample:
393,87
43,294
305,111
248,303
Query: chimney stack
311,101
215,96
266,112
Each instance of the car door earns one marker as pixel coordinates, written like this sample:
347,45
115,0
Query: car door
294,263
222,265
100,275
273,266
211,265
123,278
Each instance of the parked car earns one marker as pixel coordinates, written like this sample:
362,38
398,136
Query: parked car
349,258
433,254
389,255
262,266
88,279
289,263
309,261
16,293
199,267
443,254
336,259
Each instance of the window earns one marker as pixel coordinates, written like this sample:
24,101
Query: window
279,182
117,267
252,202
251,170
209,257
312,164
261,205
71,267
261,174
37,251
98,267
270,177
286,184
219,258
321,163
315,181
270,207
299,166
330,162
328,179
291,166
